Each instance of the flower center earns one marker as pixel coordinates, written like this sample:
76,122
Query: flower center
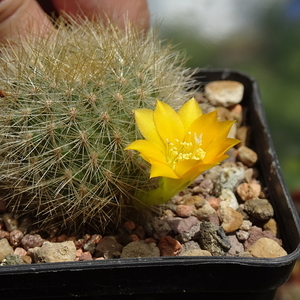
188,149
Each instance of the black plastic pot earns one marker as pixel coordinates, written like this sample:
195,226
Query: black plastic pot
187,277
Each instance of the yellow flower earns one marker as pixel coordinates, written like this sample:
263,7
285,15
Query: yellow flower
179,146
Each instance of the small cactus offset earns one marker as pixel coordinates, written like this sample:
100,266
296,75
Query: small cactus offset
66,116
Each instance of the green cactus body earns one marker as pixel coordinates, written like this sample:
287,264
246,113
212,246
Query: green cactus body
67,114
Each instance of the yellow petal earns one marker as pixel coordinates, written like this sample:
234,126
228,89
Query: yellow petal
198,169
189,112
145,123
148,150
215,150
183,166
207,124
159,169
167,122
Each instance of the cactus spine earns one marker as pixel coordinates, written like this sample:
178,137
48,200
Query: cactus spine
67,114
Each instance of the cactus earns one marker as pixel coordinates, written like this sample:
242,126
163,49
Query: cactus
66,115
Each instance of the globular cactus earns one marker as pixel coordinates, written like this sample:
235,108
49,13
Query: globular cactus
66,115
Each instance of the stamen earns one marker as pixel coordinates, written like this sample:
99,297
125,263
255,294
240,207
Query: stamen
185,150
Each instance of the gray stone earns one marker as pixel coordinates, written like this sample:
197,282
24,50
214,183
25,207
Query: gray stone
189,246
229,178
184,237
214,173
140,249
203,209
213,239
260,209
160,228
89,246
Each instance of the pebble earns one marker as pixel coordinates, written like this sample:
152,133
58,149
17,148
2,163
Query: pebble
4,234
32,241
5,249
168,213
243,212
214,173
160,227
12,259
20,251
266,248
248,191
203,209
10,222
140,232
251,174
246,225
231,220
236,246
62,238
224,114
85,256
180,225
229,178
196,252
245,254
243,134
169,246
95,238
15,237
53,252
214,218
191,200
260,209
271,225
27,259
184,211
140,249
78,243
247,156
228,196
213,239
206,185
214,202
224,93
89,246
242,235
237,113
150,240
130,225
187,236
107,246
256,233
188,246
134,238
